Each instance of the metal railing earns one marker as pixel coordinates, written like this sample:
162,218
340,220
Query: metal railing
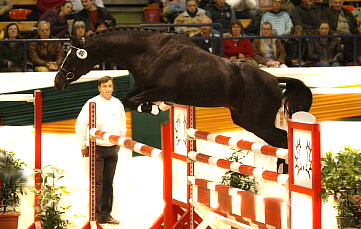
219,28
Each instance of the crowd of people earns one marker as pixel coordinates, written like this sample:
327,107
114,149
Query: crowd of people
57,19
269,17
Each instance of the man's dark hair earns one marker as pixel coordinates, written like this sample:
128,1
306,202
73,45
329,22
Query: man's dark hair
104,79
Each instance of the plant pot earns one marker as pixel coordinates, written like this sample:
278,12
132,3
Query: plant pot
9,220
346,223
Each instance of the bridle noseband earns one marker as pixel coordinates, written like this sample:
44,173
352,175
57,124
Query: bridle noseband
69,75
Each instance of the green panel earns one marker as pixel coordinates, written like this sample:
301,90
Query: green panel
146,128
58,105
129,17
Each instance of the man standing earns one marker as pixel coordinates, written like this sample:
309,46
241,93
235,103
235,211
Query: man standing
91,14
110,117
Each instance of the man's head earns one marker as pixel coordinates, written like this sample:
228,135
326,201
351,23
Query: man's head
276,6
337,4
105,87
191,6
206,30
266,29
220,3
44,29
87,4
324,28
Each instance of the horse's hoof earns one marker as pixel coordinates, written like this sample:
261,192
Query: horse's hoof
155,110
163,106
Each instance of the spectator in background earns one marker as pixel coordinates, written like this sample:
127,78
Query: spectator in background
280,20
79,29
193,14
238,49
92,14
244,8
44,5
5,7
209,45
172,9
220,12
292,49
324,51
269,53
308,15
12,54
358,59
46,56
58,19
341,21
77,6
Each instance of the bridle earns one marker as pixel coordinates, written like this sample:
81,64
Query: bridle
69,75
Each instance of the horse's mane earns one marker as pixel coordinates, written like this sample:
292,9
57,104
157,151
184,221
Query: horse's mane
128,28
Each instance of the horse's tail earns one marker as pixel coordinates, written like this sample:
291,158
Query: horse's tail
297,97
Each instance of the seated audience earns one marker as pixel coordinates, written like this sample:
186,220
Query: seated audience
46,56
91,14
269,53
209,45
292,49
5,7
193,14
44,5
280,20
220,12
58,19
324,51
308,15
238,49
77,6
12,54
172,9
358,59
341,21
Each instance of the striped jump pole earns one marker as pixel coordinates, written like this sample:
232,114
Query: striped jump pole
127,143
238,143
238,167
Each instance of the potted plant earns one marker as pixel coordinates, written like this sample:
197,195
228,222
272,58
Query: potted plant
239,180
13,183
341,178
51,212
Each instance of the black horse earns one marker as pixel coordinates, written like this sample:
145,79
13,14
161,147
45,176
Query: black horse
170,67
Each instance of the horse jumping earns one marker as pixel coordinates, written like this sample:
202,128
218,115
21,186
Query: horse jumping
170,67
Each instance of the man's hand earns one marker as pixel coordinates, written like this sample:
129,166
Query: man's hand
85,152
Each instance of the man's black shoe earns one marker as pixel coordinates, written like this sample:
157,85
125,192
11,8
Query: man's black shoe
109,220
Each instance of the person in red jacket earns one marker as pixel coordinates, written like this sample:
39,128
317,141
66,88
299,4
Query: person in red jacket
44,5
238,49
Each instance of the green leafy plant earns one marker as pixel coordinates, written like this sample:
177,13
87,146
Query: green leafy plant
239,180
341,178
50,194
13,180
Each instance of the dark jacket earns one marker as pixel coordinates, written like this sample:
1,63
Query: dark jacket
220,15
16,55
213,44
58,25
324,50
292,47
309,19
44,52
331,15
103,15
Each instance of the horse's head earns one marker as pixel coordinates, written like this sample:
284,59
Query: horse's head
75,64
